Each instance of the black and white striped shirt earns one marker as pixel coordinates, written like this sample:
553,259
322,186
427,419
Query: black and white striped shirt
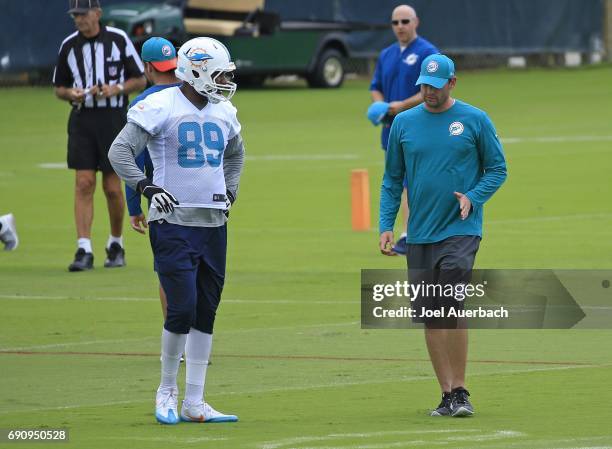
109,58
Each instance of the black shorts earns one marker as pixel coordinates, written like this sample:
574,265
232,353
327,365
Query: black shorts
90,135
442,266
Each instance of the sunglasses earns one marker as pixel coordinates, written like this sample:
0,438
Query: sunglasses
403,22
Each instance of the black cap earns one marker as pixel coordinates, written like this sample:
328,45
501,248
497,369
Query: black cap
82,6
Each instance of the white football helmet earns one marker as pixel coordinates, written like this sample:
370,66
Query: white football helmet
205,64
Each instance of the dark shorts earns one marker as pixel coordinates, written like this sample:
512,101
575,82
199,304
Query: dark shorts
90,135
190,264
441,265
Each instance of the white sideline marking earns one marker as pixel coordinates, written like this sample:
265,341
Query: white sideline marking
263,157
496,435
75,343
351,156
303,157
137,299
399,432
499,434
549,218
554,444
291,441
550,139
313,387
236,331
398,379
53,165
167,438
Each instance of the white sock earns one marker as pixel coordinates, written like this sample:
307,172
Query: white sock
112,239
173,346
197,353
85,244
404,234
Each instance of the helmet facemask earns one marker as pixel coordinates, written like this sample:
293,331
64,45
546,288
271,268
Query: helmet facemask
210,72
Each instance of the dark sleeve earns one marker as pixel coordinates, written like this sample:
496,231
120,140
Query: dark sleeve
62,76
132,196
132,63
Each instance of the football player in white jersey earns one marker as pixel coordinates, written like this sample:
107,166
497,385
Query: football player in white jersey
194,141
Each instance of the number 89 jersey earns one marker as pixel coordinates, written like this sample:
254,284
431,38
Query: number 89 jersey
187,146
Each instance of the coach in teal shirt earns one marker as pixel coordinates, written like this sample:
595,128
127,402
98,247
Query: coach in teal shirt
453,162
451,156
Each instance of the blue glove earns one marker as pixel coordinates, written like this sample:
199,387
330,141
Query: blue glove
377,111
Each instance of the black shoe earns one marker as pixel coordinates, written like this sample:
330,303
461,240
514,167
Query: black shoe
115,256
460,404
444,409
82,261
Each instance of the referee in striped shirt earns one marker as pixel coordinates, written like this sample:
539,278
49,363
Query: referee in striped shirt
97,67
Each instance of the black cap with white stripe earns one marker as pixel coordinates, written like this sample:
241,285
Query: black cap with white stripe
82,6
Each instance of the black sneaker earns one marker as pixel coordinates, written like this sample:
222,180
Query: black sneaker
444,409
115,256
460,404
82,261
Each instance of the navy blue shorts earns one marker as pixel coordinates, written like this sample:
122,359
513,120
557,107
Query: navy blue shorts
190,263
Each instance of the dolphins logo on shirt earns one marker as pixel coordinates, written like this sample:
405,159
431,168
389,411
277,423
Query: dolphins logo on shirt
456,128
411,59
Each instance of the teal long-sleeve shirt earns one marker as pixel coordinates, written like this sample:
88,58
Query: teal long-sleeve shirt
440,153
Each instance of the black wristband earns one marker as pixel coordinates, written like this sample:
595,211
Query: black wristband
230,196
143,184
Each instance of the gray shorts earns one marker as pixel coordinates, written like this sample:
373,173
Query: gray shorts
440,264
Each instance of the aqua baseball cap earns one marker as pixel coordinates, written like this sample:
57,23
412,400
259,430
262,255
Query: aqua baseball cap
436,70
160,52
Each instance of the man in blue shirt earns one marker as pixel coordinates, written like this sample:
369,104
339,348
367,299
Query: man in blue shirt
159,57
395,78
450,155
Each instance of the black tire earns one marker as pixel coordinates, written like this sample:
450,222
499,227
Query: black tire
329,70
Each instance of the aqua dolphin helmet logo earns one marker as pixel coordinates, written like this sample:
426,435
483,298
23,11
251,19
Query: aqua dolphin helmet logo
198,57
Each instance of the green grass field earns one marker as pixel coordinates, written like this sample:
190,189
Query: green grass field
81,350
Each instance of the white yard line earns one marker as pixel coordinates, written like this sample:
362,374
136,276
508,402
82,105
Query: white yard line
577,443
152,299
154,337
262,157
352,156
303,439
549,218
312,387
555,139
478,437
166,439
303,157
76,343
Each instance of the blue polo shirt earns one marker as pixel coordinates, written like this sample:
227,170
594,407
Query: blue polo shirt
397,72
143,160
454,151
